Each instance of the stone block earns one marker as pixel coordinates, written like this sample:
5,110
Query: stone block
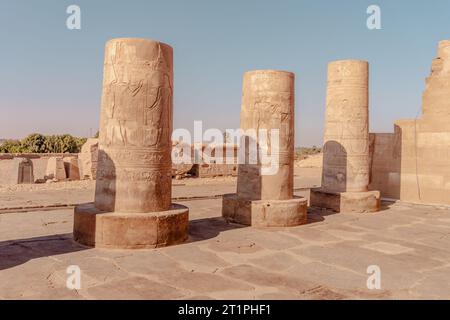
72,168
55,169
357,202
88,159
265,213
95,228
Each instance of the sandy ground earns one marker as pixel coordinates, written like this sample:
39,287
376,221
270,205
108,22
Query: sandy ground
314,161
88,184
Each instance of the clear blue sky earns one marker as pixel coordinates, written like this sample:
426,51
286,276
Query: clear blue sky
50,80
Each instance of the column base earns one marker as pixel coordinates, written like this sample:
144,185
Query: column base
120,230
358,202
264,213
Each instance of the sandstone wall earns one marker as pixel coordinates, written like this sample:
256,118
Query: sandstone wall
208,168
425,161
413,164
385,164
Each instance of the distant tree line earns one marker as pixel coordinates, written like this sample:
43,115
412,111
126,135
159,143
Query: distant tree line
38,143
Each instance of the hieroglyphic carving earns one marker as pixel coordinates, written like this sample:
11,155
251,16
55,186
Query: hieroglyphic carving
136,127
268,103
268,99
346,138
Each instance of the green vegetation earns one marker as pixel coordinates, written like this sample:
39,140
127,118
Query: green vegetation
38,143
303,152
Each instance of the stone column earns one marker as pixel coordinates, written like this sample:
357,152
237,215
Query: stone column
264,197
132,207
346,158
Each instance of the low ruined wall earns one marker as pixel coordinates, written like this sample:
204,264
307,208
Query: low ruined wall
208,168
385,164
87,165
216,170
425,161
413,164
9,165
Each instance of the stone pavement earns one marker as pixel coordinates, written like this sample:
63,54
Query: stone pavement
326,259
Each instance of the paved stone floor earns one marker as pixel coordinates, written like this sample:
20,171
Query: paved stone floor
326,259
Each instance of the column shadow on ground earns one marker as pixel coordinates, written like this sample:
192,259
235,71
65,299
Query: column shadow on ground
208,228
16,252
19,251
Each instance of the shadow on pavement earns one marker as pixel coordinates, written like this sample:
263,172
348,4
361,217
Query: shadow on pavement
17,252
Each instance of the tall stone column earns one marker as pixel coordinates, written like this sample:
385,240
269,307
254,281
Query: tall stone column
132,207
346,158
264,195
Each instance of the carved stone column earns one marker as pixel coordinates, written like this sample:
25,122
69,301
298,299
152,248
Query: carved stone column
264,195
132,207
346,158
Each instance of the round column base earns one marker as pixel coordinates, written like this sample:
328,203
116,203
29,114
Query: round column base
357,202
121,230
265,213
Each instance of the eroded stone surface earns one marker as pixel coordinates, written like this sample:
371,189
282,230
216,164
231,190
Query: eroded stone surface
346,156
72,168
266,199
346,138
134,164
362,202
89,159
130,230
55,169
268,103
133,206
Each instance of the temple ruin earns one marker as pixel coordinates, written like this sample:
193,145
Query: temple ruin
131,161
